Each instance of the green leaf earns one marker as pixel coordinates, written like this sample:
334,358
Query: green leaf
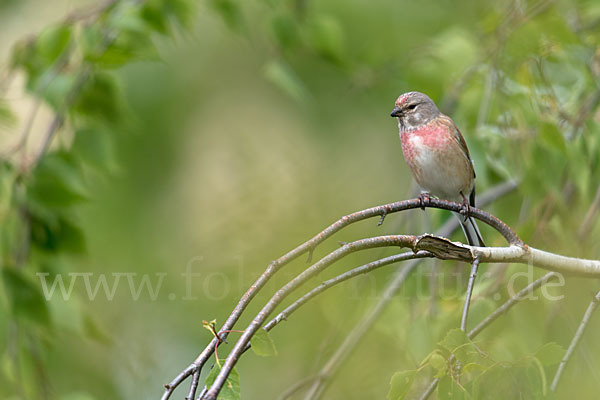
57,90
25,299
56,234
285,31
157,12
327,37
230,11
231,389
94,146
53,41
437,361
99,98
454,339
457,343
262,344
400,384
286,79
210,326
550,354
448,389
553,137
57,182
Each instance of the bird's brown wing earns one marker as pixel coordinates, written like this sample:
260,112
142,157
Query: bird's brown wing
460,140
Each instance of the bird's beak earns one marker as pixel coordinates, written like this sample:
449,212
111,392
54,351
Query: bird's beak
396,112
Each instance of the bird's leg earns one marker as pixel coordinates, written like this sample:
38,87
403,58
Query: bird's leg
424,199
466,207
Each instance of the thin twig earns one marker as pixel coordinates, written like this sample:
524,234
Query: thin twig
578,334
297,387
194,385
357,333
363,269
498,312
472,275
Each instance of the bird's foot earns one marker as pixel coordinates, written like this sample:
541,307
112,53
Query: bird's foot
424,199
466,208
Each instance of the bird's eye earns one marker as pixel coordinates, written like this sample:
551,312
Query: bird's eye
412,107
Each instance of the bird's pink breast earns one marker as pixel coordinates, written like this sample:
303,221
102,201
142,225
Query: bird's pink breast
437,161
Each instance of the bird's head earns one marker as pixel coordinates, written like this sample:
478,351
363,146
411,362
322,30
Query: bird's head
414,109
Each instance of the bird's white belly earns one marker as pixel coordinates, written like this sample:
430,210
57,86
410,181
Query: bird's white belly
441,173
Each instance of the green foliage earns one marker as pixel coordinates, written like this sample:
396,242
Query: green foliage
231,389
24,297
262,344
400,384
466,371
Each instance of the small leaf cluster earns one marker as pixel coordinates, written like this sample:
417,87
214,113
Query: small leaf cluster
465,371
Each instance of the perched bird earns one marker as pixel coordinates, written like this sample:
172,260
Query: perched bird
437,155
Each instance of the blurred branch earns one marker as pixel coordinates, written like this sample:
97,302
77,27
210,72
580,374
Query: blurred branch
497,313
578,334
590,216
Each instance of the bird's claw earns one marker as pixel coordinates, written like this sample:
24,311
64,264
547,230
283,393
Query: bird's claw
466,208
424,199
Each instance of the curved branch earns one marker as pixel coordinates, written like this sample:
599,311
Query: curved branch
440,247
242,342
363,269
357,333
311,244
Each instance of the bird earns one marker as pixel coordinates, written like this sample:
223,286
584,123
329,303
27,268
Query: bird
437,154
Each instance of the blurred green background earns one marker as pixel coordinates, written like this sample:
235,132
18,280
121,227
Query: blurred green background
220,134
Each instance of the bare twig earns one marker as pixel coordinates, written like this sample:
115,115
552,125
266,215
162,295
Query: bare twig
521,295
472,275
578,334
363,269
297,387
194,385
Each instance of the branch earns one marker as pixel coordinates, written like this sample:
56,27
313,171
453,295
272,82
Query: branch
310,245
238,349
357,333
584,322
442,248
522,294
472,275
363,269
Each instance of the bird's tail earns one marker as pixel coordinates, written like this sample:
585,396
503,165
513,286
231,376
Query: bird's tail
469,227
